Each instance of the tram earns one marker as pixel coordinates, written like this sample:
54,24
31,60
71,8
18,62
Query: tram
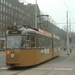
28,46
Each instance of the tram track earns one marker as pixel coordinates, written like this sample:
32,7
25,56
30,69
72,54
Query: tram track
52,69
22,69
56,67
46,70
73,71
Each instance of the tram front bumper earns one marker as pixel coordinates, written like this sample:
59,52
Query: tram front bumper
13,63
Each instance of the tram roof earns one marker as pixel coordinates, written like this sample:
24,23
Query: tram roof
55,36
31,31
26,29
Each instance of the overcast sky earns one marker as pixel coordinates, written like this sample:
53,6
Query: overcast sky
57,10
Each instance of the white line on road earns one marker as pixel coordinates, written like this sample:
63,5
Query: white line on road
54,68
4,68
63,68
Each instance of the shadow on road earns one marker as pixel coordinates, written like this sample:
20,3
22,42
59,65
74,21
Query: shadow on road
19,68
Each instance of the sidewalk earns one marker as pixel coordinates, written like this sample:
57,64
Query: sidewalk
67,52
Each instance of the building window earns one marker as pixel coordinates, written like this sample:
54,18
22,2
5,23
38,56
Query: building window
12,12
9,11
9,4
6,3
6,10
0,7
0,26
3,9
1,16
1,1
13,7
4,26
6,18
1,33
16,8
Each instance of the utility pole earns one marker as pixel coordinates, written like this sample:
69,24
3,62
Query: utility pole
70,34
67,35
35,13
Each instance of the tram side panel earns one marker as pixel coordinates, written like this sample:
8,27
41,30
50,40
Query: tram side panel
55,47
43,55
27,57
44,51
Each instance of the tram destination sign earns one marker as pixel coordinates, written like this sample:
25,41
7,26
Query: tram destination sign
14,32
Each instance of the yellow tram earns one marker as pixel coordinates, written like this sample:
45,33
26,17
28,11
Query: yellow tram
28,47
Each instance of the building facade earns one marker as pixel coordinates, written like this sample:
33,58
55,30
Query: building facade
12,11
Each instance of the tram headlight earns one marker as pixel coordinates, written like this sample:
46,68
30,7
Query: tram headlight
8,52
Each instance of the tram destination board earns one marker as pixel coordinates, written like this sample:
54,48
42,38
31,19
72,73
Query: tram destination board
15,32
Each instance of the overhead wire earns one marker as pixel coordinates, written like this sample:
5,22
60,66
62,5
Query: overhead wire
68,10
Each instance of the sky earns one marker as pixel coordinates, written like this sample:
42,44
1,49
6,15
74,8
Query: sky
56,9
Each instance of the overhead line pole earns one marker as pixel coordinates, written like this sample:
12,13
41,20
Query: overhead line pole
67,35
35,13
70,34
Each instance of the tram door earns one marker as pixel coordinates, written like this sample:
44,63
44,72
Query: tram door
52,47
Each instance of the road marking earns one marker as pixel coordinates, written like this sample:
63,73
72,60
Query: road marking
63,69
4,68
55,68
45,68
64,62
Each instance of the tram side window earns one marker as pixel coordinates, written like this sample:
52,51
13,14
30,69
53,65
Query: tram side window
41,42
37,41
50,42
28,41
32,40
23,44
56,43
45,41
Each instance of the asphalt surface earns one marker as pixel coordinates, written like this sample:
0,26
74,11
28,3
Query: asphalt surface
2,59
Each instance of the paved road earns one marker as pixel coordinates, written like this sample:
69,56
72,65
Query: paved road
2,60
63,65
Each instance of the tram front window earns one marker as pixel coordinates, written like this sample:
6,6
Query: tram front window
13,42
